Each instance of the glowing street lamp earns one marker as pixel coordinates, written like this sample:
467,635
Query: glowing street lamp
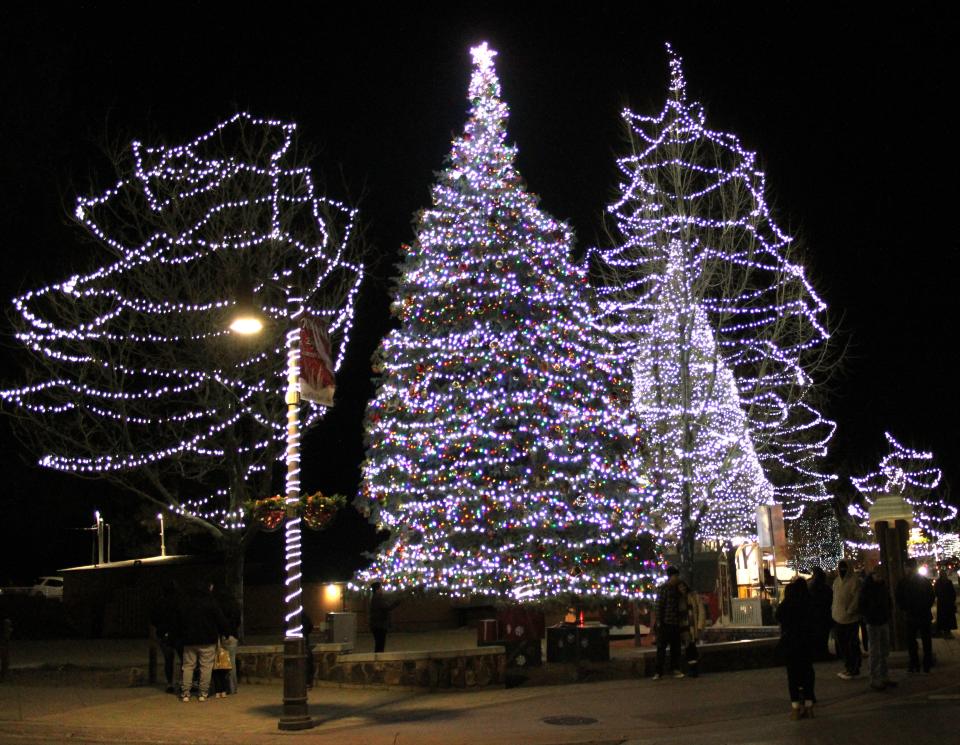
247,318
246,325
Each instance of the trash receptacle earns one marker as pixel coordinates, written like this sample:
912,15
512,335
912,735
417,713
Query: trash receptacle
342,628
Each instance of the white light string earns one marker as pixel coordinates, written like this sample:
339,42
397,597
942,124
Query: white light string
496,455
692,201
911,474
209,200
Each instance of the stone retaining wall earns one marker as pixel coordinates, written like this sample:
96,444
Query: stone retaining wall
736,633
476,667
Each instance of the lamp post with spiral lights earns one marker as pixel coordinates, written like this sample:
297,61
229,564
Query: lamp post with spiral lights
295,715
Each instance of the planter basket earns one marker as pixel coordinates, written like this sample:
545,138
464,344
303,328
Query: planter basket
317,518
270,520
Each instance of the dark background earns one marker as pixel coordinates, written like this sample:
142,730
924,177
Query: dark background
848,109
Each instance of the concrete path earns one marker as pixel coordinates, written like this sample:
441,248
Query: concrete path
742,707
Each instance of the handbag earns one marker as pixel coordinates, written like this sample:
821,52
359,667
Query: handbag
222,660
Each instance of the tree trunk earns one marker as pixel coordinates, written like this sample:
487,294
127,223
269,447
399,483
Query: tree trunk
687,546
689,525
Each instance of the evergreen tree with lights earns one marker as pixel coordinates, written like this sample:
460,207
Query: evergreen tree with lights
814,538
133,375
708,477
497,456
913,475
692,201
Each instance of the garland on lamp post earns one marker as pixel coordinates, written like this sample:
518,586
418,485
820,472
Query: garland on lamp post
317,509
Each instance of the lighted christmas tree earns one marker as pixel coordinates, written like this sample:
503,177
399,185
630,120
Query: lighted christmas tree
913,475
704,465
814,539
132,372
497,457
692,201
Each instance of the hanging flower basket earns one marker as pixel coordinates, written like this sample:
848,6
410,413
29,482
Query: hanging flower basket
269,512
319,509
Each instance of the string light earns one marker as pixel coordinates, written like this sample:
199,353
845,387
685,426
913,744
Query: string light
948,546
815,539
497,456
136,349
700,291
912,475
699,436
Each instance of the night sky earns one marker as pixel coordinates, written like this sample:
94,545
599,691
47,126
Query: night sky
848,111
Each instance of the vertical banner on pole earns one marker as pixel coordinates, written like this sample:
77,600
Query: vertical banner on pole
317,382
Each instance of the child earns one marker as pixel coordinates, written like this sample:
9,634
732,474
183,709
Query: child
221,673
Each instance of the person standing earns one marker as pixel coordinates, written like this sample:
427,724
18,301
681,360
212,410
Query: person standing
915,595
231,637
821,603
379,616
946,605
6,631
165,619
691,623
877,609
797,633
201,623
846,615
668,624
864,634
309,666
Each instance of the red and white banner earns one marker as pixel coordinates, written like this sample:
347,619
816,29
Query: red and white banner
316,362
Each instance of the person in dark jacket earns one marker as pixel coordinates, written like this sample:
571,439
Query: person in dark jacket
379,616
309,666
202,623
876,609
821,601
797,633
669,624
915,596
165,619
946,605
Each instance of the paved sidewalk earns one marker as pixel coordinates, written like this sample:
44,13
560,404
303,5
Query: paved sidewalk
741,707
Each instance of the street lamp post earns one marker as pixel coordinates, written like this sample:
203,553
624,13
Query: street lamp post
890,518
295,715
163,543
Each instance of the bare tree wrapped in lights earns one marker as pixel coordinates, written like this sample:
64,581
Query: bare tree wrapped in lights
692,201
496,455
133,375
913,475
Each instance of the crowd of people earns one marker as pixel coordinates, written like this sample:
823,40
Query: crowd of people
197,631
856,609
